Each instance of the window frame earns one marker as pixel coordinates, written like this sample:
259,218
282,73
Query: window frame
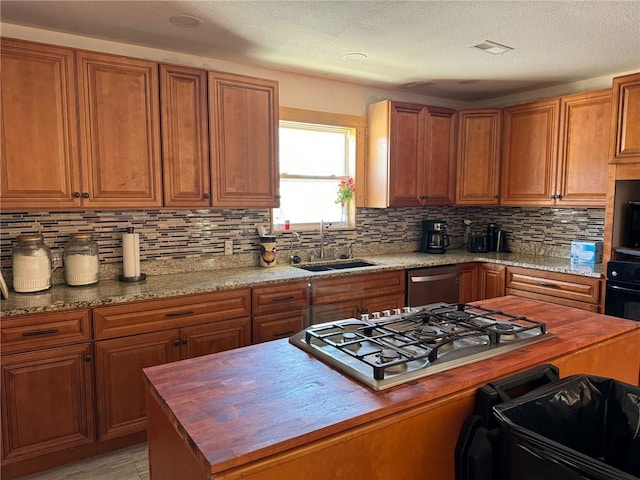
355,123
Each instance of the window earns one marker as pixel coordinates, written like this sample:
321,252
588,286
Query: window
317,151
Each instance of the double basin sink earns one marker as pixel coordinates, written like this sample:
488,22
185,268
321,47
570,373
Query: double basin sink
327,267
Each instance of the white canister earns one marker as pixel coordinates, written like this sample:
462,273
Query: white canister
31,264
268,251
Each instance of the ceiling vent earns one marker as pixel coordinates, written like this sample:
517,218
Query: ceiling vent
492,47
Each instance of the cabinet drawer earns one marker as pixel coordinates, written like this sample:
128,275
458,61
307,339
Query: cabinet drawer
278,325
552,284
280,298
133,318
41,330
332,290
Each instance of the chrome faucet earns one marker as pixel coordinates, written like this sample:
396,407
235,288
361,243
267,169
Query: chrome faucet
294,258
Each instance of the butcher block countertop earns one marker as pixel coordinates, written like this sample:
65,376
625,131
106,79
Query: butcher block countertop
107,292
241,406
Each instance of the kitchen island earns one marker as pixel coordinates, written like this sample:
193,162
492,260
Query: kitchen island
272,411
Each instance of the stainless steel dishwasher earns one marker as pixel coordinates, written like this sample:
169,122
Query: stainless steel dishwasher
433,284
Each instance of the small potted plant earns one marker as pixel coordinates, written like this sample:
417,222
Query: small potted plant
346,189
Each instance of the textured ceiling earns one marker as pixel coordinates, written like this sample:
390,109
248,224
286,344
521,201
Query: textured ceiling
420,46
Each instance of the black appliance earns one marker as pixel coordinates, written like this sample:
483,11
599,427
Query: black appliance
622,297
477,243
634,225
501,241
434,236
492,237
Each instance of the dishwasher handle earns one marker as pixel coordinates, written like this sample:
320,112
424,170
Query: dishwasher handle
433,278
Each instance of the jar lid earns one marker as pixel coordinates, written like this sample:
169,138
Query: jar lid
82,235
268,238
30,238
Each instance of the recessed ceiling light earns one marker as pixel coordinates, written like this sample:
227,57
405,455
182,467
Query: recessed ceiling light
354,57
493,47
185,21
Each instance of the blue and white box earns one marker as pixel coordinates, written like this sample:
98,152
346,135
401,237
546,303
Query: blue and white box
586,252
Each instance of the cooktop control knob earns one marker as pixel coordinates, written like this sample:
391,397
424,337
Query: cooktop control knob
375,315
397,311
364,317
386,313
406,309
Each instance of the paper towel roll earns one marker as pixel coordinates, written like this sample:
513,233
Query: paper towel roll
131,254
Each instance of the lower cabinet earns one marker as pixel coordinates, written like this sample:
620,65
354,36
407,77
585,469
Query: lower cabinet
353,295
47,386
130,337
469,288
279,310
479,281
554,287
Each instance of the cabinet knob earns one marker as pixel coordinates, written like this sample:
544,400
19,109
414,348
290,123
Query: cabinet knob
496,197
184,341
85,194
87,358
207,195
176,343
76,195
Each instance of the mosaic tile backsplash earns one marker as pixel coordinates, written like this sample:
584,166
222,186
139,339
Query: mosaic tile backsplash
199,235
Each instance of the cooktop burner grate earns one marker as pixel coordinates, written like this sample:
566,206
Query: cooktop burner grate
389,350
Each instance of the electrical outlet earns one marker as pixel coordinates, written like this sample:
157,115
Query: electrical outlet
56,259
228,247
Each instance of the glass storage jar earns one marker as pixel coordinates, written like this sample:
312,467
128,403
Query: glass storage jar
31,264
81,265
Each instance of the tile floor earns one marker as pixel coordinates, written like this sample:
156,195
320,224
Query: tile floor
126,464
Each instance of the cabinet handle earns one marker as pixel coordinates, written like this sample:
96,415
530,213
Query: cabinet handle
176,343
282,299
207,195
85,194
76,195
179,314
550,285
284,334
185,341
87,358
40,332
497,197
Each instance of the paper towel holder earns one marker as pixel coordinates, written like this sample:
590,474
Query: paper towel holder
131,253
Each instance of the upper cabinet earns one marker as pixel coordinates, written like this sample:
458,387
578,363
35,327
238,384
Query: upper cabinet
185,138
554,151
410,156
119,131
625,120
529,149
39,162
478,164
583,149
243,125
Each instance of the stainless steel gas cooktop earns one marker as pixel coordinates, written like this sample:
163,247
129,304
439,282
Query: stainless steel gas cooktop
411,343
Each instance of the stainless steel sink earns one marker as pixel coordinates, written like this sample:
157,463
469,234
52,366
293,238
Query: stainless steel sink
326,267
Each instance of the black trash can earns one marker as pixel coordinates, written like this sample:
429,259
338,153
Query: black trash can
581,427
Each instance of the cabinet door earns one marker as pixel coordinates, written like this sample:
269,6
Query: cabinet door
47,401
583,153
625,120
469,289
119,387
279,325
492,280
39,162
185,139
120,131
215,337
243,121
439,173
529,143
478,166
335,311
382,303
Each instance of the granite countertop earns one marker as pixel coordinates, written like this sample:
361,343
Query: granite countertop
60,297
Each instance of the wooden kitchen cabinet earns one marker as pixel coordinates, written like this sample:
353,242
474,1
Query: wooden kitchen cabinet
491,280
47,386
353,295
625,120
39,161
133,336
243,126
583,149
119,131
561,288
529,150
185,139
279,311
469,286
478,159
411,155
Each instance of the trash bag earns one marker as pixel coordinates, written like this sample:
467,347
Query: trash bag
581,427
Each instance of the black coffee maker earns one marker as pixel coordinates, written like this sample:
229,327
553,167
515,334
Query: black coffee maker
434,236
